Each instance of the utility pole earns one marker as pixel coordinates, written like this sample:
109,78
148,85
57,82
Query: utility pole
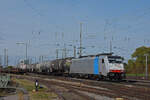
6,57
110,46
62,53
1,60
35,59
56,53
42,58
74,51
80,40
146,72
30,60
65,51
26,52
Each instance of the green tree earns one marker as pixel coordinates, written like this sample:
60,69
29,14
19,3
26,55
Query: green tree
137,63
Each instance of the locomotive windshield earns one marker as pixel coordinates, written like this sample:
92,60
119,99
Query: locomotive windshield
115,59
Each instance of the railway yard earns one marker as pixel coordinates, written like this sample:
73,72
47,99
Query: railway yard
92,77
84,89
75,50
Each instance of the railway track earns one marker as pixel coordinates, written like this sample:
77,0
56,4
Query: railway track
127,90
141,83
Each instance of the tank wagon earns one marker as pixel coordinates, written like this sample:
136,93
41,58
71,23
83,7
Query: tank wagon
57,67
61,66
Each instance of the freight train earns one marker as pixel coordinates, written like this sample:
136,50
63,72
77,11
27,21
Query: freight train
101,66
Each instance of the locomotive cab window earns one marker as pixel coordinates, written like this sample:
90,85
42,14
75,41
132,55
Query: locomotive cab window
115,59
102,60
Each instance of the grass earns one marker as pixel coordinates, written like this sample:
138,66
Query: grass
142,75
6,92
42,94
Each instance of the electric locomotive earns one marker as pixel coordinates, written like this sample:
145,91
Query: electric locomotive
101,66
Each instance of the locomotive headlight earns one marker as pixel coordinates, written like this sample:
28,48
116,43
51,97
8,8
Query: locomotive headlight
122,74
112,74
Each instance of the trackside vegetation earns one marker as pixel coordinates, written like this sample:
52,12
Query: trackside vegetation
41,94
136,65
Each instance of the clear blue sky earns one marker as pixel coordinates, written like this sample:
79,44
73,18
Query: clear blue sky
42,22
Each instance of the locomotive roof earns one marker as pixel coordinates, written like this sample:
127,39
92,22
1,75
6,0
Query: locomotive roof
101,54
118,57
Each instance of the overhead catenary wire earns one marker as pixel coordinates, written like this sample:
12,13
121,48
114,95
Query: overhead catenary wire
33,8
